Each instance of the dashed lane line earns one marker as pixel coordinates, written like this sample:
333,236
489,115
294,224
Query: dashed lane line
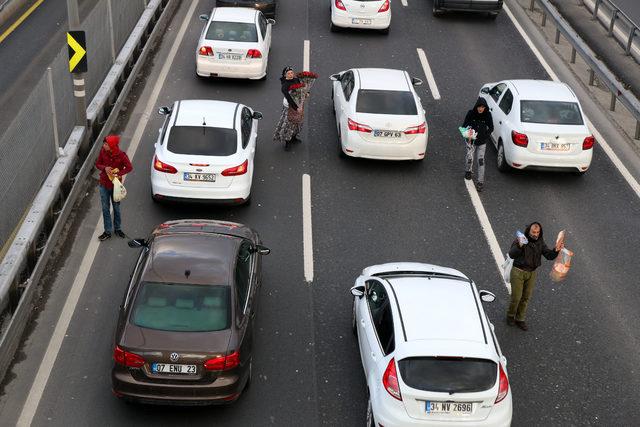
404,3
427,72
306,55
307,235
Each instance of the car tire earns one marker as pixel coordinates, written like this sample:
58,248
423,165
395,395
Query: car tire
501,159
248,383
155,198
370,419
341,153
354,326
385,31
436,8
247,201
334,28
493,15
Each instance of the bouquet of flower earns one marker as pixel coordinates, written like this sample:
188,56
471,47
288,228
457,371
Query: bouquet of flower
308,78
297,92
468,133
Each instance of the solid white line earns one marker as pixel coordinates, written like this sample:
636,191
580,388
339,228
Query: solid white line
633,183
486,227
42,377
307,238
427,72
404,3
306,55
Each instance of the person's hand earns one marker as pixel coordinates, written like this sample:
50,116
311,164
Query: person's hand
299,109
108,170
560,246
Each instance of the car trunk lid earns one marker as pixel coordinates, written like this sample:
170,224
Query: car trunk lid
561,140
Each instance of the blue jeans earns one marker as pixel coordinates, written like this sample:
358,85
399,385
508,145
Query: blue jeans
106,198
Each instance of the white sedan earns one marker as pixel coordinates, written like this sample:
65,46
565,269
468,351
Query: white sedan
538,124
205,151
367,14
235,42
429,353
379,115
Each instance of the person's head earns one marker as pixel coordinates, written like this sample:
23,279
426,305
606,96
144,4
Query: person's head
481,106
534,231
111,143
288,73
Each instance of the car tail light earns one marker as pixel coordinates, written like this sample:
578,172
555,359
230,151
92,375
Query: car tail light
384,7
340,6
237,170
520,139
163,167
504,385
254,53
416,129
353,125
390,380
205,51
223,363
588,142
125,358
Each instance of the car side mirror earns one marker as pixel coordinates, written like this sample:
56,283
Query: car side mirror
416,81
335,77
271,21
484,90
487,296
257,115
137,243
357,291
164,111
262,250
204,17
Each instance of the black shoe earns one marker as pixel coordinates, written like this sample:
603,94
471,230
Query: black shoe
104,236
120,233
467,175
296,139
511,321
522,325
479,187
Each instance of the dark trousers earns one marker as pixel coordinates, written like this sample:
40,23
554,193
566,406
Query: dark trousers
106,198
522,284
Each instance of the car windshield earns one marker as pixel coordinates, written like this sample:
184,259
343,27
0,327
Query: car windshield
386,102
232,31
202,141
448,375
550,112
182,307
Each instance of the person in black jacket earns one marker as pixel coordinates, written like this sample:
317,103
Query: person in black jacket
286,131
480,120
527,257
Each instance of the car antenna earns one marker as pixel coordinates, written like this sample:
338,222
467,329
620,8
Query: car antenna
187,273
204,125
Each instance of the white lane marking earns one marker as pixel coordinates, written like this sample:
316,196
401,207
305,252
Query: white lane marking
307,238
404,3
42,377
486,227
427,72
306,55
633,183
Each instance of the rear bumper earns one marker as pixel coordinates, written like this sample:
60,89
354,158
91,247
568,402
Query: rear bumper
344,20
470,6
253,70
355,146
237,193
521,158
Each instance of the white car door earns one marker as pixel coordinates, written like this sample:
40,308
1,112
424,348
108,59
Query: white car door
492,100
341,96
371,321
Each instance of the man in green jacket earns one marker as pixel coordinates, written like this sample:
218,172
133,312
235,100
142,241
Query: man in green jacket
527,257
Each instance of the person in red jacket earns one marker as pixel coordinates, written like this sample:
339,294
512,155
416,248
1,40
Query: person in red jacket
112,163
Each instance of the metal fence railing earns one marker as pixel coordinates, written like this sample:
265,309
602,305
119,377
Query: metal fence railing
617,23
597,68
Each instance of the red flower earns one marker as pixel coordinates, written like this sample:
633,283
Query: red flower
308,74
296,86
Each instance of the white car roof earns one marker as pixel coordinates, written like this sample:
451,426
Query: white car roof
234,14
543,90
192,112
382,79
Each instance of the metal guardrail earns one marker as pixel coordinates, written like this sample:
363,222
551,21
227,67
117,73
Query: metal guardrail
610,20
596,67
25,261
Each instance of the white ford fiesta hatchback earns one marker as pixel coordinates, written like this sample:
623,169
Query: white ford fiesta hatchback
235,42
205,151
379,115
538,124
428,350
367,14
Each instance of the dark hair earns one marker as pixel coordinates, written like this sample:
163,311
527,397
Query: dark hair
285,70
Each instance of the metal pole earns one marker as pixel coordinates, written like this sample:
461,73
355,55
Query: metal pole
627,50
573,55
56,141
614,16
557,36
591,77
637,135
78,78
113,38
544,18
612,105
532,6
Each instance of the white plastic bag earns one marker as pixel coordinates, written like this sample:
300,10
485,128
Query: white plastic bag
119,192
507,265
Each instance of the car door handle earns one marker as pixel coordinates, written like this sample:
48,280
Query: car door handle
490,109
373,355
362,322
500,122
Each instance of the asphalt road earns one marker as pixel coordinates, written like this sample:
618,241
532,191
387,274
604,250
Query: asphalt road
577,365
27,52
631,8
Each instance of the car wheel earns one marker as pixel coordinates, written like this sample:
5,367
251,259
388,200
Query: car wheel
370,421
341,152
155,198
247,201
503,166
385,30
334,28
436,8
250,376
354,326
493,15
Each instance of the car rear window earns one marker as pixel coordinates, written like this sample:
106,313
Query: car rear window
232,31
386,102
449,375
202,141
550,112
181,307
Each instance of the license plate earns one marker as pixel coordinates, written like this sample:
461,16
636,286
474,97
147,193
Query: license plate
208,177
361,21
387,133
171,368
448,408
554,146
232,56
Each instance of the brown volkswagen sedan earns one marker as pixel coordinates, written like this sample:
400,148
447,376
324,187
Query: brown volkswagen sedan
186,324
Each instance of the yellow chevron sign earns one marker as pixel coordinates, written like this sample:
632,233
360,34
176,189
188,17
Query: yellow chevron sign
77,51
